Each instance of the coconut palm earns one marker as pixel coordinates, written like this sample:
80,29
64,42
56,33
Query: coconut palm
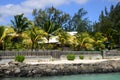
63,38
51,29
35,34
9,35
99,41
20,24
84,40
73,42
2,35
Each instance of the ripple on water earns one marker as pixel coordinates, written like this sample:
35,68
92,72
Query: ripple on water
107,76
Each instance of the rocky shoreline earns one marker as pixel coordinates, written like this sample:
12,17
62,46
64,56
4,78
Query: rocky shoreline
13,69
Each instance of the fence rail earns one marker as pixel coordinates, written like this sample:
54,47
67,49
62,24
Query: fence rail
53,53
111,54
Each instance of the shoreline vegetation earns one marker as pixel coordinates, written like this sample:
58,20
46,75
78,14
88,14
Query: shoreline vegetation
52,29
54,68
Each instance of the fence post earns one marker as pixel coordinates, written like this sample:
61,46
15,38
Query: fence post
103,54
0,57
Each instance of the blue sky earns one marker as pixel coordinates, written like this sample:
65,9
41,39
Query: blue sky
9,8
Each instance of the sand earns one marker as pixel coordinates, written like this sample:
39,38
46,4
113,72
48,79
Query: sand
67,62
48,61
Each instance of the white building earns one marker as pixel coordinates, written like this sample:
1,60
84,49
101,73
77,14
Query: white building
53,39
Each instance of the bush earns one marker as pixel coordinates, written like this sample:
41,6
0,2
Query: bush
19,58
70,57
81,57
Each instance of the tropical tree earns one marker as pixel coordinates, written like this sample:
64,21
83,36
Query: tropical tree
100,40
36,34
85,41
72,41
109,24
20,24
63,38
2,36
51,29
79,23
9,31
52,14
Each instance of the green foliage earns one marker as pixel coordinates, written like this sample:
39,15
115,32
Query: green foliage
100,46
51,29
52,59
81,57
72,41
2,32
63,38
70,56
118,49
36,34
20,23
99,41
79,23
19,58
52,14
2,36
52,22
109,24
85,41
50,46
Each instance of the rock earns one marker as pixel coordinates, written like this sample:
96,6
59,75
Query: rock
7,72
17,70
25,70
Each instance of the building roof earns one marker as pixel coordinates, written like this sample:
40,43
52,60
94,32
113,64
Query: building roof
53,39
72,33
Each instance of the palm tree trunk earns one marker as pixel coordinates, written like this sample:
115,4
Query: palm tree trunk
48,38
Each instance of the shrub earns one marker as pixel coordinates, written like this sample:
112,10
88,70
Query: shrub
70,57
52,59
97,58
81,57
19,58
90,57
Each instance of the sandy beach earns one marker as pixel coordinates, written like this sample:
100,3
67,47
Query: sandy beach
67,62
48,61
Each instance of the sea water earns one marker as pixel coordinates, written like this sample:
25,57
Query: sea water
105,76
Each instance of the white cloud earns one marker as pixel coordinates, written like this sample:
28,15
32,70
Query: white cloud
112,0
42,3
28,5
80,1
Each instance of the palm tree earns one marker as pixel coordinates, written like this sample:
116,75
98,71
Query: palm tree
63,38
99,41
35,34
73,42
85,41
2,35
51,29
20,24
9,31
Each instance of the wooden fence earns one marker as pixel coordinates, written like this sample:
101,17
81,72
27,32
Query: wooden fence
111,54
53,53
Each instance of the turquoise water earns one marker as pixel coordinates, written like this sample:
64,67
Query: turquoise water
110,76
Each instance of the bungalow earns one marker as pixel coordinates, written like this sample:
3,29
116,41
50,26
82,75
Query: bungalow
53,39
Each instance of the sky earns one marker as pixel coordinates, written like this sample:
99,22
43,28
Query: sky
9,8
